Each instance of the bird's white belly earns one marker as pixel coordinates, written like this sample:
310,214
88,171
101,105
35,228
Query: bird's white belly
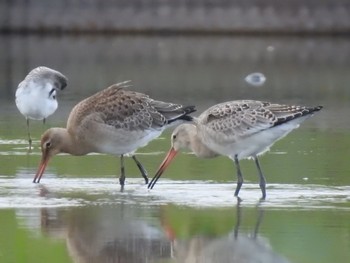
119,141
35,105
256,144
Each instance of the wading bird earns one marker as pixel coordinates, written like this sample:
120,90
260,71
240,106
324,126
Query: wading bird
114,121
237,129
36,94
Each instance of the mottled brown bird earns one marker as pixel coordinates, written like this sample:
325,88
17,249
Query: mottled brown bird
114,121
237,129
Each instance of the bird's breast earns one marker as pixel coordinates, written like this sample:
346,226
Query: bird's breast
250,145
107,139
35,106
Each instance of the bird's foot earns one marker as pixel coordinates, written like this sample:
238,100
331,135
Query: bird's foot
122,181
30,147
239,200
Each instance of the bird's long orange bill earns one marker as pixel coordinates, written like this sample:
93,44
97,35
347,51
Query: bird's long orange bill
171,154
41,169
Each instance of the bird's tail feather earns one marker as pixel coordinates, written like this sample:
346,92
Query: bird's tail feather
296,113
183,114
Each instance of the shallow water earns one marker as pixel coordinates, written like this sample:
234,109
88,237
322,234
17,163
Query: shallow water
78,213
67,192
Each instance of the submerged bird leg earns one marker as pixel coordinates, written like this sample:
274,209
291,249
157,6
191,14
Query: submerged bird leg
262,182
122,171
239,176
141,168
29,138
258,221
238,222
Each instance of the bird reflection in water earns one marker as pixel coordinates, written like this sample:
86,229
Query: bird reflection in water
107,234
122,234
231,248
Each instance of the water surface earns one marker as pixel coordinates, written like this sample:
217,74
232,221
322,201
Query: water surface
78,213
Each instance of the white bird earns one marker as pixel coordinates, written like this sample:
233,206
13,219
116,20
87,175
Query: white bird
237,129
36,94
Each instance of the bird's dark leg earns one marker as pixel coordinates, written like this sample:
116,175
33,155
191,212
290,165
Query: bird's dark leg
141,168
239,176
44,121
29,138
122,172
262,182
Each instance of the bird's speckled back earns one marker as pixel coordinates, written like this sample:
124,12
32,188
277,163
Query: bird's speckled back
245,117
125,109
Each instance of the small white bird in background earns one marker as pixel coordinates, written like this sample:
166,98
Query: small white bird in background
36,94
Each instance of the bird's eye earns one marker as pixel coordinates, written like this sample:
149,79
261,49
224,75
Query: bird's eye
48,145
174,136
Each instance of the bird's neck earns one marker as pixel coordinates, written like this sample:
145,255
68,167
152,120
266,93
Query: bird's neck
70,143
197,146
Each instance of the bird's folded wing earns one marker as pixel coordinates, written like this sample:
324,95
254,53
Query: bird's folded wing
120,108
244,118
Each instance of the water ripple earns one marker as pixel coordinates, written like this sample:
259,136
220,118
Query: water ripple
65,192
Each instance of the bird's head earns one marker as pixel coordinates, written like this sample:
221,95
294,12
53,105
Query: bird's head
52,143
180,139
60,81
47,78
